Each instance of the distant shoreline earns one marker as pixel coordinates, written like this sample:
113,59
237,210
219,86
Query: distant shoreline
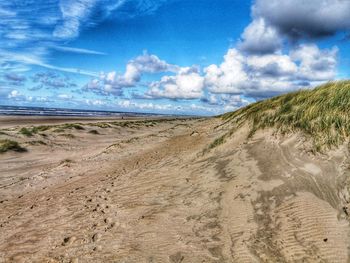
46,111
15,121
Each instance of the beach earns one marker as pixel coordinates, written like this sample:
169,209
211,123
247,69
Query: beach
156,190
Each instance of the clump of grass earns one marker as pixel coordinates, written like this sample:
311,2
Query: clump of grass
67,135
33,130
102,125
42,128
73,126
25,131
62,128
9,145
133,139
66,162
3,133
322,113
39,142
59,130
217,142
94,132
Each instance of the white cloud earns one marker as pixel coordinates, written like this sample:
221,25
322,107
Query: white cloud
228,77
78,50
14,94
28,27
128,104
113,83
260,38
36,60
186,84
262,75
65,96
95,102
274,65
224,100
315,64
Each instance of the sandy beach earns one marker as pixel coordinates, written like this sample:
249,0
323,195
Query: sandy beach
153,190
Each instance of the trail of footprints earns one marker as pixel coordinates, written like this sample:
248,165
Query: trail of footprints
102,214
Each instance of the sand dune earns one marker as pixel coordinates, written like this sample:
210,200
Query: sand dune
153,191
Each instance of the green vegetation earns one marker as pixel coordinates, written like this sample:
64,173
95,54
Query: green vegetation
26,131
3,133
217,142
62,128
72,126
322,113
37,129
33,130
8,145
67,135
102,125
39,142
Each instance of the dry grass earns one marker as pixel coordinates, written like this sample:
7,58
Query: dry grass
322,113
33,130
9,145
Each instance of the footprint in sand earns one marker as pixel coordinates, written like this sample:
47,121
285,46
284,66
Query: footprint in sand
68,240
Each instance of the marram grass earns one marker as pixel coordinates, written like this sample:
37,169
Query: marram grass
323,113
9,145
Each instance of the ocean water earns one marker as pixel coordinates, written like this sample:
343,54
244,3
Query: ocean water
40,111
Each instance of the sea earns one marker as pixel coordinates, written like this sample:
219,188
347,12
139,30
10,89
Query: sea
42,111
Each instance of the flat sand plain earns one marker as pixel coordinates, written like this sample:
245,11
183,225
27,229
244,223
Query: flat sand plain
153,190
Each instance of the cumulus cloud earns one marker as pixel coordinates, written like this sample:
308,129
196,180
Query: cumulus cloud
226,100
230,76
299,18
186,84
260,38
241,75
171,108
260,76
315,64
275,65
113,83
16,95
128,104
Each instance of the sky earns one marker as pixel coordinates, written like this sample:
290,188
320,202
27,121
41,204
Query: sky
197,57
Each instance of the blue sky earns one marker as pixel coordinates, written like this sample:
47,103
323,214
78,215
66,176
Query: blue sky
168,56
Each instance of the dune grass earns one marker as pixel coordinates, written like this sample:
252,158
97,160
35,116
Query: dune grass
323,113
9,145
26,131
217,142
33,130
